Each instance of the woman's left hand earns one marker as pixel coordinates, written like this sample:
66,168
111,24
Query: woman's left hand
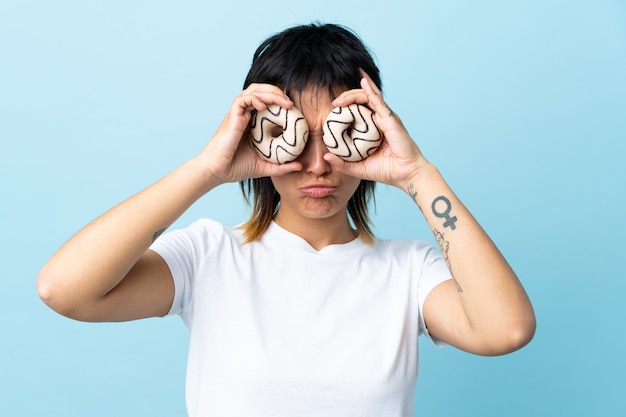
398,159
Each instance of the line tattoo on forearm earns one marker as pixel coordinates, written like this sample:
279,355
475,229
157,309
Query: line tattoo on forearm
445,247
157,234
445,214
410,189
412,192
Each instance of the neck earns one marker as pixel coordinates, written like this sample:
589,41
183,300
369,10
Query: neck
319,233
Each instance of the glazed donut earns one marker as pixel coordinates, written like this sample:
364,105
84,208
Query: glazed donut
279,134
350,132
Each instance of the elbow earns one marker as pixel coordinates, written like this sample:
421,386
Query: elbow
68,295
520,336
51,291
47,290
512,337
523,329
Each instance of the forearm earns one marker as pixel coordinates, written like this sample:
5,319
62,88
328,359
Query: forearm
105,272
486,310
97,258
492,299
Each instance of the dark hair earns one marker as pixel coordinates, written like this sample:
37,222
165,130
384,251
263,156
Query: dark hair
321,56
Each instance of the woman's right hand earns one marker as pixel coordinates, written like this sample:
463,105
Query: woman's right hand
230,156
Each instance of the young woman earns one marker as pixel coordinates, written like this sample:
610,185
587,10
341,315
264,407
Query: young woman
300,310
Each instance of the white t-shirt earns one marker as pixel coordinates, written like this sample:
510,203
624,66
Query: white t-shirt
280,329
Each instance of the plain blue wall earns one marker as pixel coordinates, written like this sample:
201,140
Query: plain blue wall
521,104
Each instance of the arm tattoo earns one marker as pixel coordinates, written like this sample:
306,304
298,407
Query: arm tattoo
445,214
411,190
157,234
413,194
445,246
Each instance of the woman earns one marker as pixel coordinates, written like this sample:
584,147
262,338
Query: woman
299,311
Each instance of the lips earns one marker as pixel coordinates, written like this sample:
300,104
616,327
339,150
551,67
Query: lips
318,190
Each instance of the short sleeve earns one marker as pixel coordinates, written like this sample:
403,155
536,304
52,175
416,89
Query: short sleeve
434,272
184,251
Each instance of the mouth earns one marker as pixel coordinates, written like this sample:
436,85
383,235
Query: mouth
318,190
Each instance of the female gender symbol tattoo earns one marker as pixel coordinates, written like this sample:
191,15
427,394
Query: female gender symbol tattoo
446,213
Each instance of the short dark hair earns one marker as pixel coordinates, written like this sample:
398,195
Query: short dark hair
320,55
324,57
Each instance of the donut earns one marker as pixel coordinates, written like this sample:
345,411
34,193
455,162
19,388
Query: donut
350,132
279,134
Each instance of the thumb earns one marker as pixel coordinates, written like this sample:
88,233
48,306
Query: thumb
354,169
270,169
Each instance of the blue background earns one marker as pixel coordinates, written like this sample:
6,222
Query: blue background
521,104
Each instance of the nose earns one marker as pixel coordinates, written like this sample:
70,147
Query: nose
312,159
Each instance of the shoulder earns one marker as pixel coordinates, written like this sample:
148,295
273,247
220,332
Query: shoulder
206,229
419,257
199,239
403,248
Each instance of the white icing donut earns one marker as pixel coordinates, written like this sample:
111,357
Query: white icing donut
279,134
350,132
